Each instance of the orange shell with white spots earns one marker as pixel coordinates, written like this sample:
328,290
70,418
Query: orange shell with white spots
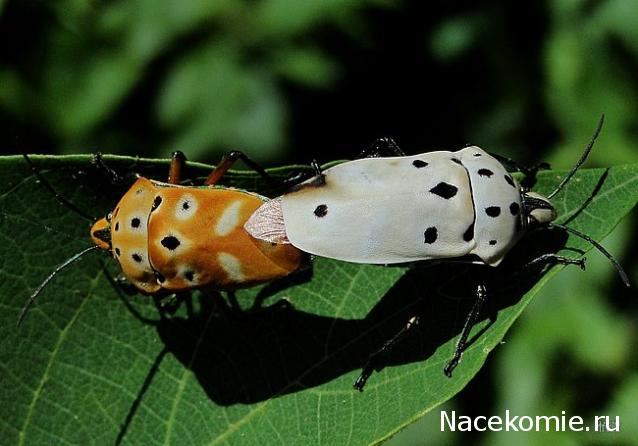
177,238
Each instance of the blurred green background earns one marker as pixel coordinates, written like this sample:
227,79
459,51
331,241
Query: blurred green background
287,81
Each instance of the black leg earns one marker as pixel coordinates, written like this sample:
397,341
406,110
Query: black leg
472,317
125,285
373,361
170,303
61,199
384,144
467,328
229,159
315,167
233,303
226,163
529,172
114,178
546,259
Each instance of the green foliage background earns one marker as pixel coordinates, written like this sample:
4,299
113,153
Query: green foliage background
288,81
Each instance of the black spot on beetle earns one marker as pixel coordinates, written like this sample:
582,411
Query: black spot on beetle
430,235
493,211
478,154
321,210
117,226
117,252
510,181
170,242
485,172
156,202
419,164
468,235
457,161
137,257
189,275
135,222
515,208
444,190
160,278
492,242
186,205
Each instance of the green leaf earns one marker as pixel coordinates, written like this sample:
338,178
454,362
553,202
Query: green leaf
94,362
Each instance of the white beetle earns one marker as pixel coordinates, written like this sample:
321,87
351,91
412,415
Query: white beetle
462,206
435,205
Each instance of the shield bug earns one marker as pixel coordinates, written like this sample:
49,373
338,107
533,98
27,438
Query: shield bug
459,206
169,238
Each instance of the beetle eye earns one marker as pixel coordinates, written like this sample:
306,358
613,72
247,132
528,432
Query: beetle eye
109,216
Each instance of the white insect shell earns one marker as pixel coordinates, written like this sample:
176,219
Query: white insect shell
435,205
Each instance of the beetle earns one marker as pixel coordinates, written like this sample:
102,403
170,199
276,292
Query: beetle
169,238
460,206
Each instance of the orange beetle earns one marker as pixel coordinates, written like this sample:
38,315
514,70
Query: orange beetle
168,237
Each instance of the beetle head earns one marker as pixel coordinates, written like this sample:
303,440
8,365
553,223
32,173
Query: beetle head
101,233
537,210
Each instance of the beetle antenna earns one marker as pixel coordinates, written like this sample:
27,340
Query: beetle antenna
599,247
582,159
46,281
62,200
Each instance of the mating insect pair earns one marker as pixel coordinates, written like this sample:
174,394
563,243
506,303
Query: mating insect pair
460,206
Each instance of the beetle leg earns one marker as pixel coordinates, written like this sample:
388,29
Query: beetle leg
388,345
461,344
178,163
169,304
124,284
384,144
316,168
226,163
114,178
556,259
229,159
529,173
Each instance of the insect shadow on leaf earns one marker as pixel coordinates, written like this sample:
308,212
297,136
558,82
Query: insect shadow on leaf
248,358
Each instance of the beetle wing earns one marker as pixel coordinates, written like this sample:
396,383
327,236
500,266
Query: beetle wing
384,210
196,239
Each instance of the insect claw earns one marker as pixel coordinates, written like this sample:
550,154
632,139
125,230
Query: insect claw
450,366
360,383
582,263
